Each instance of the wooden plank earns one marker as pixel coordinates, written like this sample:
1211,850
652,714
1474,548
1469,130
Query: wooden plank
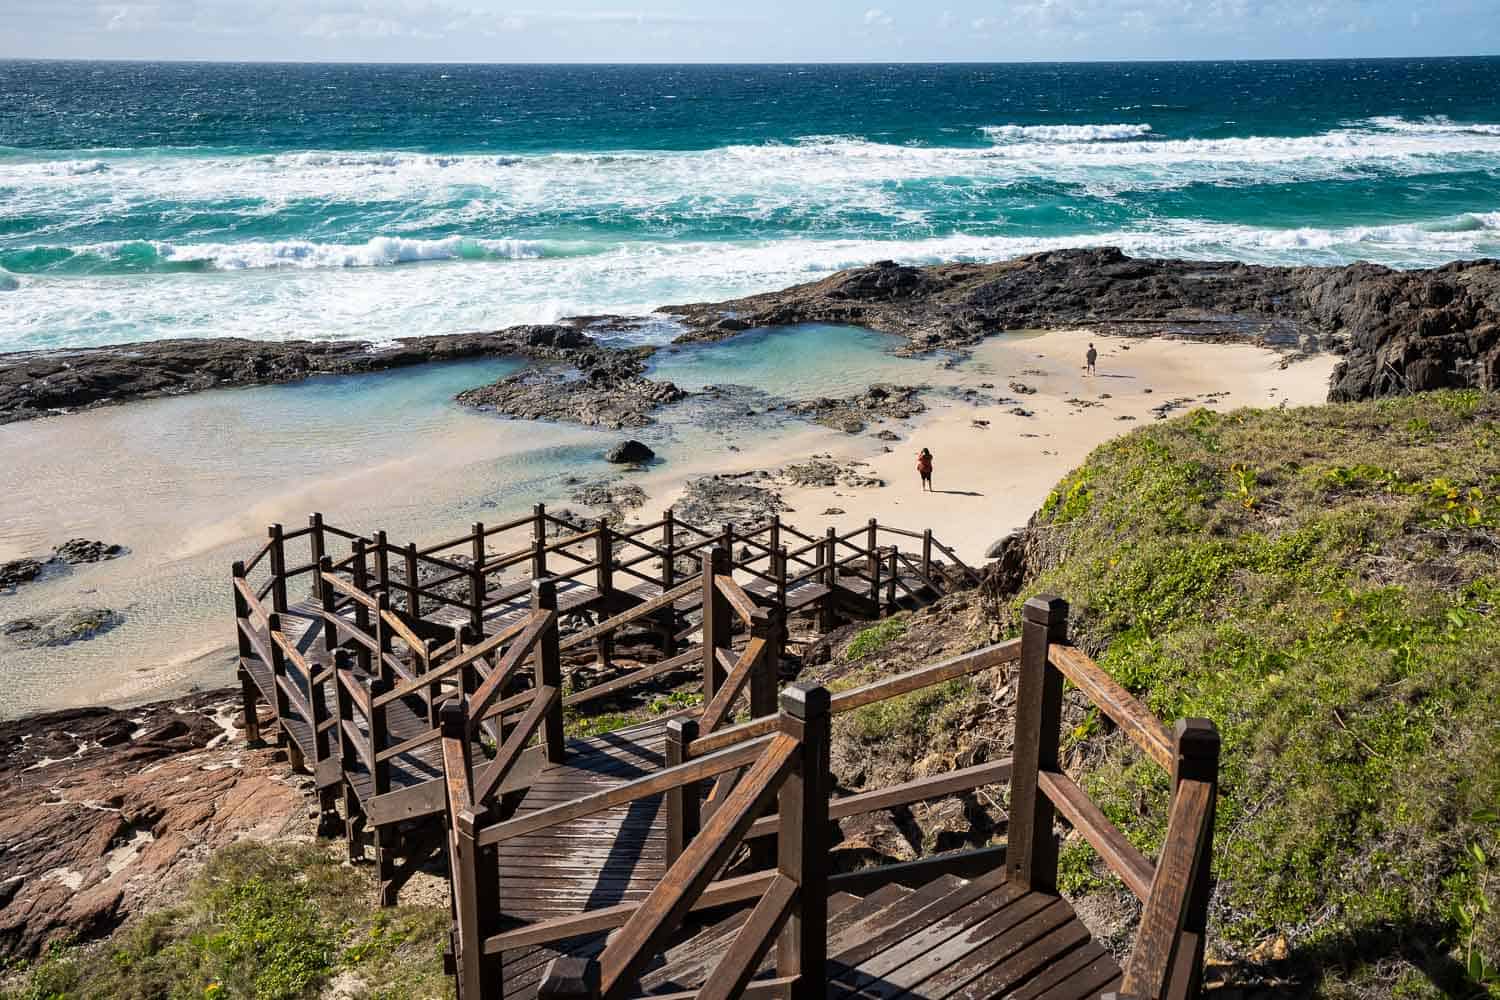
734,682
1133,718
980,864
1133,867
748,611
1040,914
1028,961
1079,974
914,680
654,784
923,911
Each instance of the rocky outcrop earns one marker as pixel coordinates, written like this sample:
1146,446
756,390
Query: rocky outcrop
1400,330
731,498
74,552
59,628
37,383
598,387
852,415
104,812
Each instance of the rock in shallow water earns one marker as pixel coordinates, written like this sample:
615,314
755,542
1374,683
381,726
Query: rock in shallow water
630,452
61,628
84,550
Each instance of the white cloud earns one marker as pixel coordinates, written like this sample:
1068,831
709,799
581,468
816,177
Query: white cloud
877,18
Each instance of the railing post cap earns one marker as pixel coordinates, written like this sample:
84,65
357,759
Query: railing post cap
451,717
682,730
568,976
343,659
805,701
544,588
238,569
1196,738
1045,609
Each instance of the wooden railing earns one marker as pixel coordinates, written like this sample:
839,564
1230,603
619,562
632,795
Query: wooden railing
1167,957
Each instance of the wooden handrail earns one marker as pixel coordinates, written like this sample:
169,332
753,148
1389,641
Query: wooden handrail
683,661
494,684
654,784
728,979
487,782
672,898
447,669
731,735
743,604
254,561
912,680
724,698
403,630
349,590
257,612
626,617
1133,867
1134,719
933,786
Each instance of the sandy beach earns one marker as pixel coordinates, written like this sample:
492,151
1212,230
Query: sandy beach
993,468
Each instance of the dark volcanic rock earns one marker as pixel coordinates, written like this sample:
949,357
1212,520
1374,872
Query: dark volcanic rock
850,415
630,452
19,571
734,499
83,550
609,400
1400,330
61,628
35,383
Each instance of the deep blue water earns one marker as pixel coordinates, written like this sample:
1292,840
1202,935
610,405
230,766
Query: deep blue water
159,200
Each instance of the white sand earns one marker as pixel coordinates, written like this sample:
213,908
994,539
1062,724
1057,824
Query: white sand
989,480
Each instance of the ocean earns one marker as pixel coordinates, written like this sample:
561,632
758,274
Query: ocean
143,201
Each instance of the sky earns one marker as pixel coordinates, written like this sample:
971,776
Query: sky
750,31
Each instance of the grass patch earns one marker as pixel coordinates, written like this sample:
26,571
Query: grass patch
875,638
1324,584
261,923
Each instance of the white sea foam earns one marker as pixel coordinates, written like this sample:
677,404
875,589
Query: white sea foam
377,252
270,303
1065,133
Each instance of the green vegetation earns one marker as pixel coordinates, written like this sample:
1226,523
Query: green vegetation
874,639
580,723
260,923
1322,583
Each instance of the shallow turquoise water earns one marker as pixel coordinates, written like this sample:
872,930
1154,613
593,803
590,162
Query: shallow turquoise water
799,362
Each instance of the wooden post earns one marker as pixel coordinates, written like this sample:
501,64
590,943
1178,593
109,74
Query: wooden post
874,569
278,674
344,706
927,554
872,547
1196,758
248,690
726,539
549,668
684,803
382,561
359,573
315,536
668,615
604,583
570,978
278,568
830,580
475,880
802,844
382,771
1031,851
539,542
716,622
891,569
413,597
767,676
774,542
781,560
328,600
382,667
476,580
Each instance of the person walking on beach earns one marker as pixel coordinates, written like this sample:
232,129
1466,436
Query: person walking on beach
1092,356
924,469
